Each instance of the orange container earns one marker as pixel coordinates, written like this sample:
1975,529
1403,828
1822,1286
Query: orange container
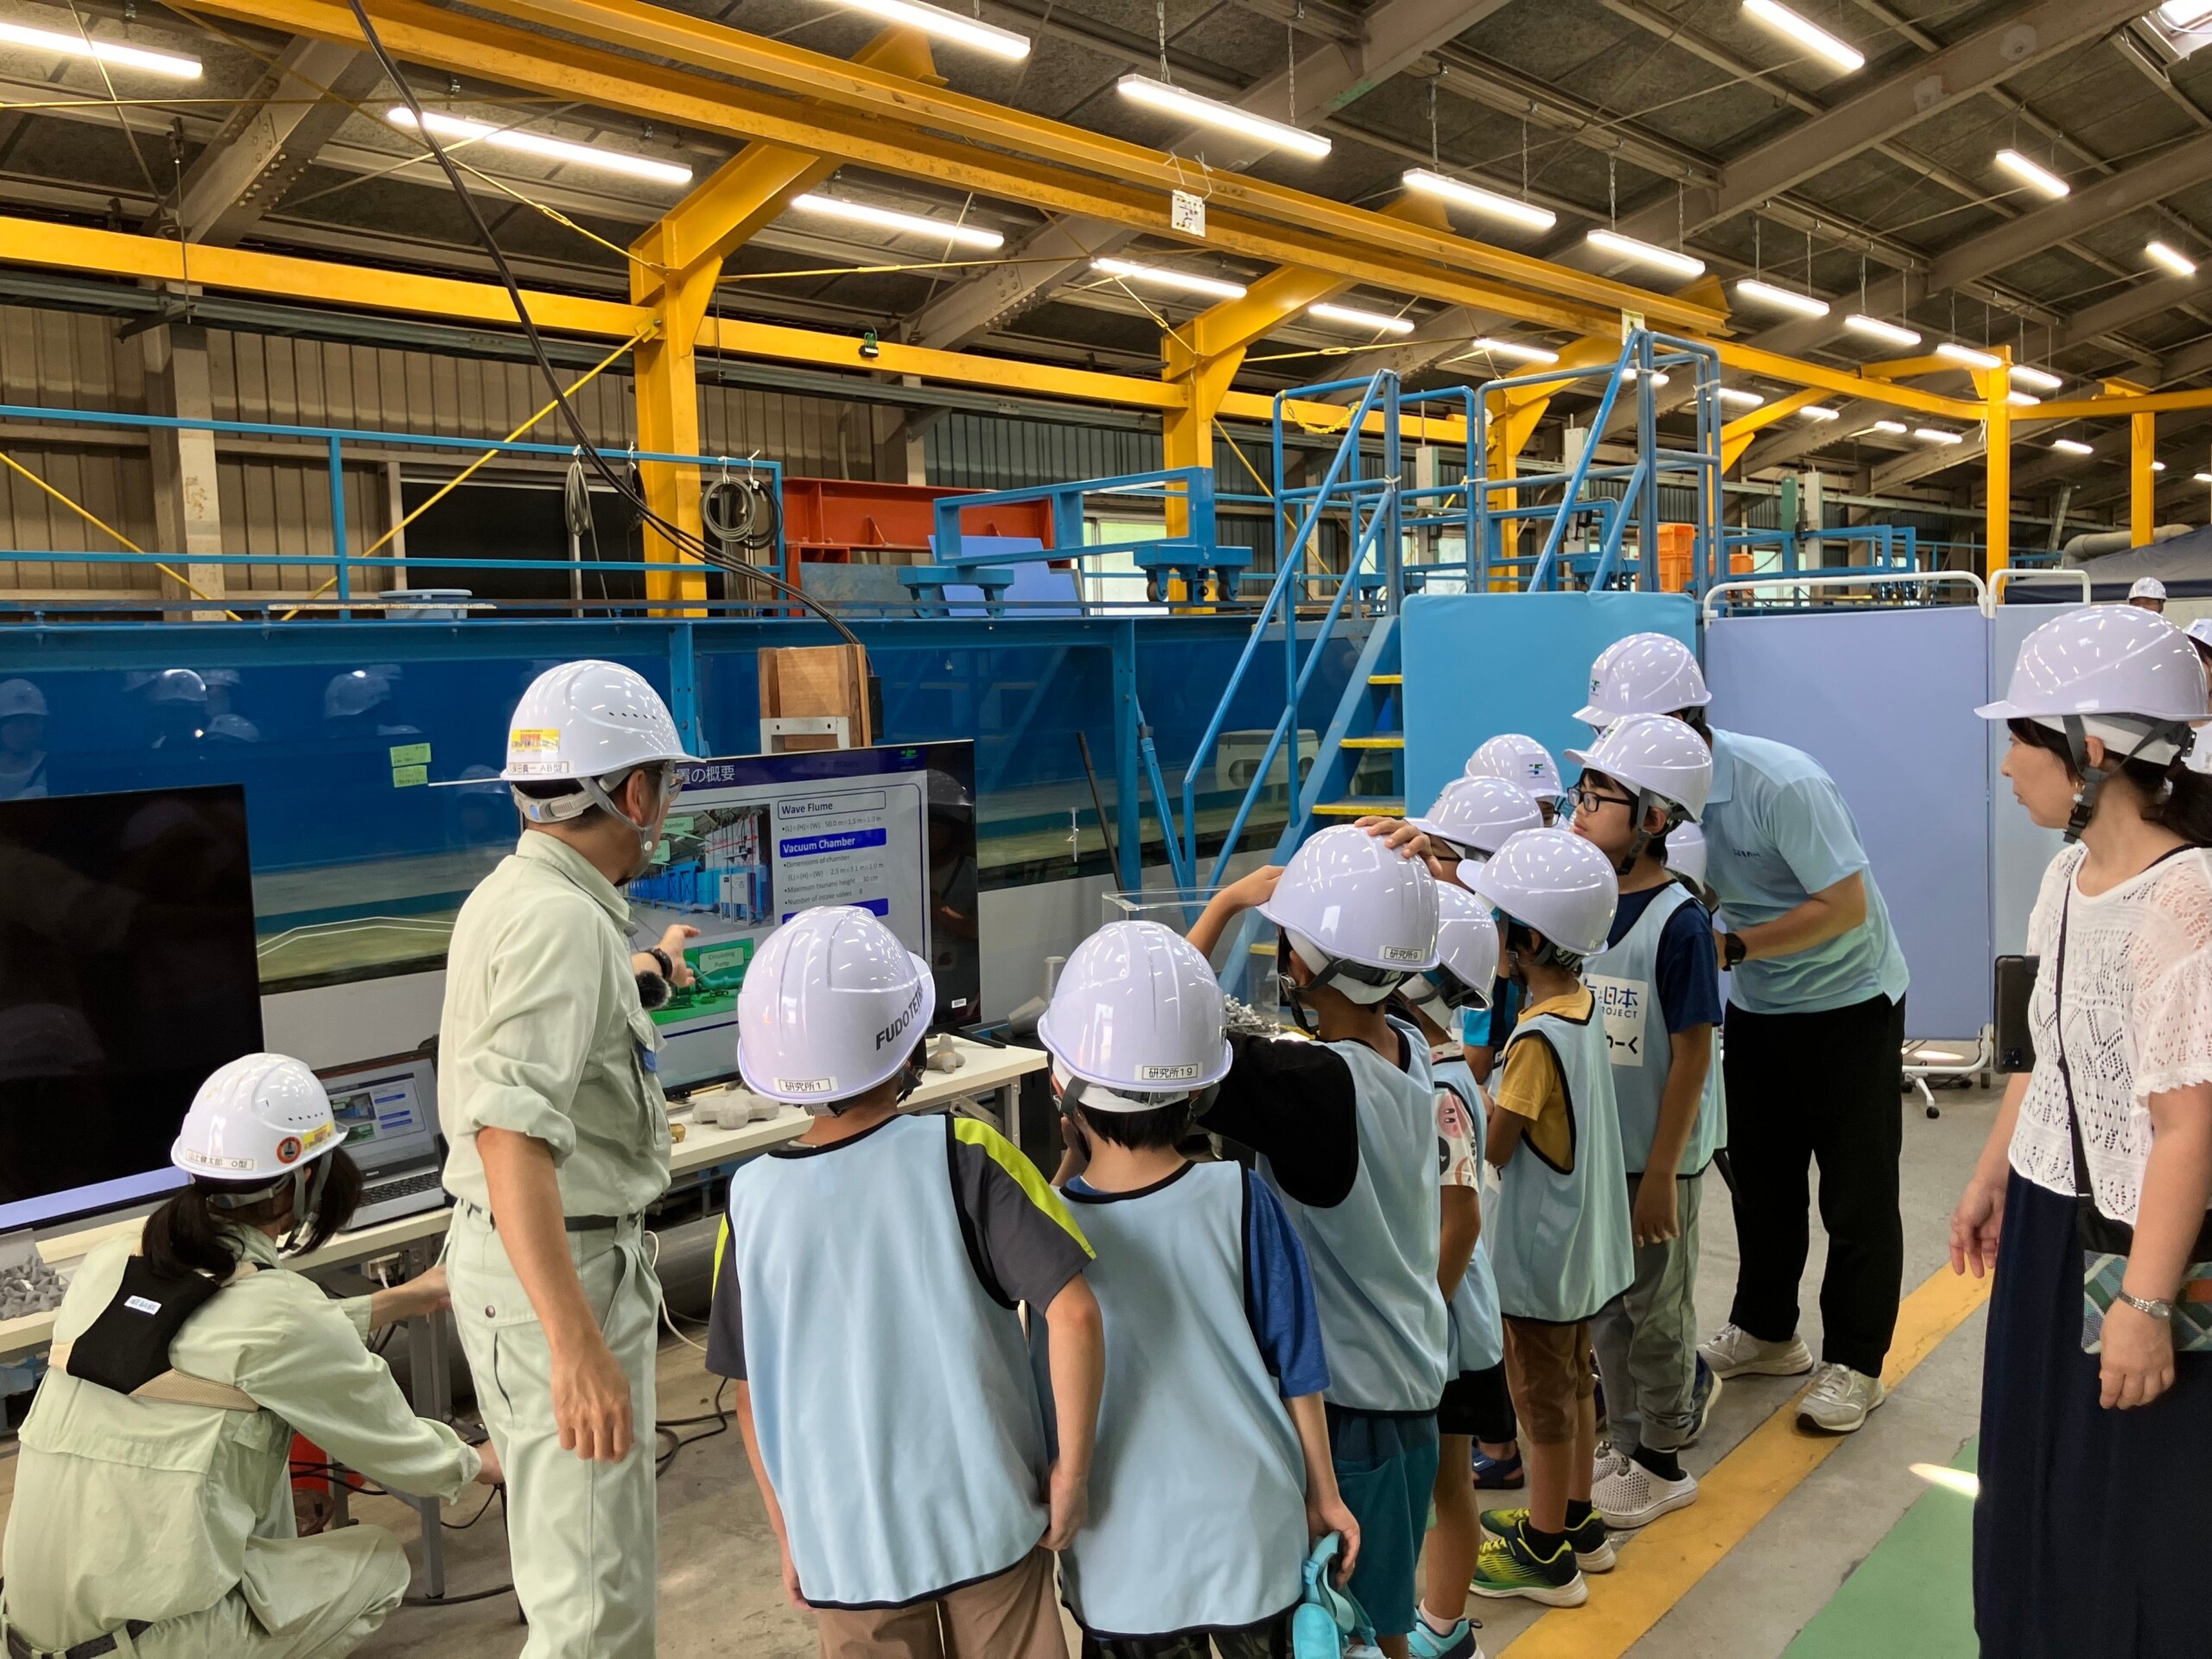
1677,549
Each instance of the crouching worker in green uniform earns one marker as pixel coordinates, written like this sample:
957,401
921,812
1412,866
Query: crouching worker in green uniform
153,1509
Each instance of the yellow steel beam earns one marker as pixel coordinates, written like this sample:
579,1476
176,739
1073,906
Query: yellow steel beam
897,126
1995,386
2106,409
787,345
662,31
1751,360
1735,436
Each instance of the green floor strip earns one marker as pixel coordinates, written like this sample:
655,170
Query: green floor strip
1914,1594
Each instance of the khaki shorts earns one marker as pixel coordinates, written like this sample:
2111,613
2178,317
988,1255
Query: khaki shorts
1012,1616
1547,1368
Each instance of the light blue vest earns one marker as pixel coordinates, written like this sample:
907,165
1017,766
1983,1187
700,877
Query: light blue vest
892,1394
1374,1255
1624,978
1198,1487
1477,1339
1564,1246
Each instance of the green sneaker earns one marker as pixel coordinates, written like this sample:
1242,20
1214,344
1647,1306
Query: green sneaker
1593,1549
1507,1567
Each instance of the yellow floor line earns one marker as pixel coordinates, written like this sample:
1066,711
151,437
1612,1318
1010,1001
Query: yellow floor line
1667,1558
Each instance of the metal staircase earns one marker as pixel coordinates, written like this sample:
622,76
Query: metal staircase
1360,767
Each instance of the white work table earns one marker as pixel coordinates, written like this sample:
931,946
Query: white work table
985,1070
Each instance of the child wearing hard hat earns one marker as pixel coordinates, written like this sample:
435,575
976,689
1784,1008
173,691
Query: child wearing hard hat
1560,1232
1657,983
1357,918
866,1306
1211,1476
1526,764
1474,1406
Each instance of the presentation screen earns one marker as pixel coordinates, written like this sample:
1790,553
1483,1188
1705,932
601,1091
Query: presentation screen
754,841
127,974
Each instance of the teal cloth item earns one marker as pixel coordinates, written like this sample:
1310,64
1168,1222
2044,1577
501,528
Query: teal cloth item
1777,831
1624,978
1478,1337
1562,1235
1326,1617
1374,1255
1386,1466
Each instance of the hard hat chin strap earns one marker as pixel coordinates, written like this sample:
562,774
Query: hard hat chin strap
2178,732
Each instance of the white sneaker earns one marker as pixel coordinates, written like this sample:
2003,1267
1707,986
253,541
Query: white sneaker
1609,1461
1734,1351
1633,1496
1839,1399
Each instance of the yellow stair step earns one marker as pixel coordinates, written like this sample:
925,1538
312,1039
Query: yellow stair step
1386,679
1373,743
1380,809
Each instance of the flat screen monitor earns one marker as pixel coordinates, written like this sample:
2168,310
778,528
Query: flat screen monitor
754,841
127,974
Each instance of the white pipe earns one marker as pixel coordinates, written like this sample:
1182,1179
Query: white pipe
2092,542
1873,579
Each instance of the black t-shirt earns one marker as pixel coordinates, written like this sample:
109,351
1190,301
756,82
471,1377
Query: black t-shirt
1292,1103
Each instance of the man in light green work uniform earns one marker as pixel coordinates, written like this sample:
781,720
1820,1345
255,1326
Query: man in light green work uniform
559,1139
152,1513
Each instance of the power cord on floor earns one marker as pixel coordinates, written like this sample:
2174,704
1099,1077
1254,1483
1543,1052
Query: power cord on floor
667,1317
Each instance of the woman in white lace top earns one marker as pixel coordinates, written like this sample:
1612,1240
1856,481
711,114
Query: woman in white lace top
2091,1532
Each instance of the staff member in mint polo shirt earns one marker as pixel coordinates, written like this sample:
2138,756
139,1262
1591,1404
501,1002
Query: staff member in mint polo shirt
1813,1061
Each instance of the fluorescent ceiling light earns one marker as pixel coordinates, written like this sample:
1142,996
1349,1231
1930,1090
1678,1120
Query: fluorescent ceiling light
2158,465
1889,334
1212,112
536,144
1514,350
2185,13
1741,398
2180,263
122,57
1627,247
2204,477
954,26
2041,379
1782,298
1212,287
1352,317
2022,399
1820,412
1967,355
2035,177
886,218
1658,378
2072,446
1796,29
1895,429
1476,199
1934,434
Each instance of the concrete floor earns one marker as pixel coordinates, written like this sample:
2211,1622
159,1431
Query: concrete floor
720,1593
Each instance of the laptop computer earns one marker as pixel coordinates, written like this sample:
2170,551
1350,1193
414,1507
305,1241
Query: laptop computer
387,1110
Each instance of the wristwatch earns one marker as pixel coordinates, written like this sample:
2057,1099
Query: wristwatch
667,968
1733,950
2156,1309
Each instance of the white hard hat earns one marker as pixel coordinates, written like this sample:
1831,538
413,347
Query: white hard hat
260,1117
1467,950
1138,1012
1686,851
1654,754
2200,631
1521,761
1644,674
2147,588
1555,882
1475,815
20,697
176,685
832,1006
2104,663
588,719
1360,915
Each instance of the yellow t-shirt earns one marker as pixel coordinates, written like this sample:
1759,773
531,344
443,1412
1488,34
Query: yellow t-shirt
1533,1087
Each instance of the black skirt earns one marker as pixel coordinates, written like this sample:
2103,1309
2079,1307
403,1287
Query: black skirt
2093,1533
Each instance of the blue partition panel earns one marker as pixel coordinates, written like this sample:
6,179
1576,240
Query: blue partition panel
1478,665
1884,700
2019,851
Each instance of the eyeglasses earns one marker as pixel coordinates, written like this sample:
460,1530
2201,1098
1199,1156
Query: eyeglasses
1587,798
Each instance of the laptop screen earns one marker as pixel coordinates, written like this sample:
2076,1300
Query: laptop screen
386,1110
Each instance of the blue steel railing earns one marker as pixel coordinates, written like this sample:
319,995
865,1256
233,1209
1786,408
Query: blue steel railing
1889,549
343,562
1373,510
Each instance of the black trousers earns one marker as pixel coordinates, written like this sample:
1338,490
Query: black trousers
1824,1089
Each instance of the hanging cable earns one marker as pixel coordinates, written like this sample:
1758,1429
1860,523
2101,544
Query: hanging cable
677,537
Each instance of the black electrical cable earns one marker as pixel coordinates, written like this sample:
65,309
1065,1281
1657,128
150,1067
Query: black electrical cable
675,535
